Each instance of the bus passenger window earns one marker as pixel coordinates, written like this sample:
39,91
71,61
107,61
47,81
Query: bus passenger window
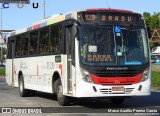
24,47
43,41
56,39
31,50
33,43
18,46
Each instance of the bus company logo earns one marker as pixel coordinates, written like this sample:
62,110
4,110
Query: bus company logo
117,68
117,81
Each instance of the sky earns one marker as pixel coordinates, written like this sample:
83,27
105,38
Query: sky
16,18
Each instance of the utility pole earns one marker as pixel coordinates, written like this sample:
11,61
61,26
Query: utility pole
159,17
44,9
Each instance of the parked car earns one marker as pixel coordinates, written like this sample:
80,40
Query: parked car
155,57
158,61
155,54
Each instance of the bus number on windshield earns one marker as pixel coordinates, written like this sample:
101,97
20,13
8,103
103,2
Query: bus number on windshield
90,17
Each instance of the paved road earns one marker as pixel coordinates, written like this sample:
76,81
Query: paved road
9,97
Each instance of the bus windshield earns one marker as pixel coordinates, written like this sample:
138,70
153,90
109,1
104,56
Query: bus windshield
102,46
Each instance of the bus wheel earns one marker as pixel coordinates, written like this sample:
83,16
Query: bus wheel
62,100
22,91
117,100
32,92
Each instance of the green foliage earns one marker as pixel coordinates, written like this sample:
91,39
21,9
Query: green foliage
2,72
152,21
146,14
3,53
154,44
155,79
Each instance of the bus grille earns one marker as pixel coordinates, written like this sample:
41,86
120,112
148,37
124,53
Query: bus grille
116,73
109,91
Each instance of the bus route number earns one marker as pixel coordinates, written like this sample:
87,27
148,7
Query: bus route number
90,17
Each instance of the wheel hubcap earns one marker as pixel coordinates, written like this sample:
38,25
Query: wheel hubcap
21,86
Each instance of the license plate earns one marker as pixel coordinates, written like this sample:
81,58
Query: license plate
118,89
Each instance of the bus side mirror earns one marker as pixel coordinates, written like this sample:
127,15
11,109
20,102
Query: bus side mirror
149,32
75,29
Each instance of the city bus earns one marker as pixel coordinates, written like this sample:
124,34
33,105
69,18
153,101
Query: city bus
91,53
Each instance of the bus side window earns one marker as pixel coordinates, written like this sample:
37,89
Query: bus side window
18,46
33,45
24,46
56,39
8,55
43,41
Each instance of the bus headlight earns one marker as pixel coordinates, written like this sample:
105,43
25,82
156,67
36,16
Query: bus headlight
145,75
86,76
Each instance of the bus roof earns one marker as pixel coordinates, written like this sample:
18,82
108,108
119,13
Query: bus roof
59,17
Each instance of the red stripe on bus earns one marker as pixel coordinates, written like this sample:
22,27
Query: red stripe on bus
109,9
116,80
36,26
60,67
14,70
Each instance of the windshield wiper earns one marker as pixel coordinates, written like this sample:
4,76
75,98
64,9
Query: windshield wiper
98,27
128,32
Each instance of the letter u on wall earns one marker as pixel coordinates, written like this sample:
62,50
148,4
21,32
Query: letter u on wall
35,6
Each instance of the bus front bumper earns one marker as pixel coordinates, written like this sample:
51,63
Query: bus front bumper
84,89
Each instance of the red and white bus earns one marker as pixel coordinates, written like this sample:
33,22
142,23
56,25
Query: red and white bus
87,53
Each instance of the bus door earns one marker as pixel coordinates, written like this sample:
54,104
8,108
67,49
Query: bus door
70,59
9,63
12,56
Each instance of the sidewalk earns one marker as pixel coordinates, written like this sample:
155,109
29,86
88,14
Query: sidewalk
155,89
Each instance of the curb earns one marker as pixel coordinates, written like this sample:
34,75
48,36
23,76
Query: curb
155,89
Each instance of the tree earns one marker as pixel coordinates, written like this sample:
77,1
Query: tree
152,21
4,50
147,18
146,15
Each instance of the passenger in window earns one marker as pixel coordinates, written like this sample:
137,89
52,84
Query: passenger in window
31,50
51,47
18,53
41,51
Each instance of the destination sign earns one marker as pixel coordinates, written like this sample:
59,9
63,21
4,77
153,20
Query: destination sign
117,18
109,17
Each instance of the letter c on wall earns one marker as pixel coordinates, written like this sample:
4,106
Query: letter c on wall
5,5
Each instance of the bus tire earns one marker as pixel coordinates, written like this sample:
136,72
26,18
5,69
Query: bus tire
117,100
32,92
62,100
22,91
